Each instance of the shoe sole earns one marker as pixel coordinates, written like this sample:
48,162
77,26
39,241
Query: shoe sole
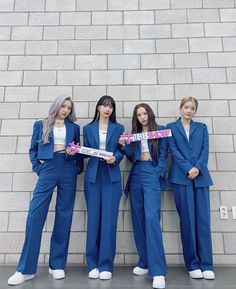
160,287
93,277
105,279
196,277
51,272
26,279
139,274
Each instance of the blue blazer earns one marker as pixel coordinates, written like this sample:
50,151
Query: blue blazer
91,139
159,162
187,154
40,151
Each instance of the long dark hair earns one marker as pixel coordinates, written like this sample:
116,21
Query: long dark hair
105,100
152,125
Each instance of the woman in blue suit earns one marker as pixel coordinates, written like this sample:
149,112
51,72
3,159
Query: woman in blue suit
146,180
102,189
190,179
54,168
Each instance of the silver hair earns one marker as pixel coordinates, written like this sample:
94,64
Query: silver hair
48,122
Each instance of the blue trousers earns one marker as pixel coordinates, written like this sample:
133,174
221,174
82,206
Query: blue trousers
102,199
60,172
145,197
193,206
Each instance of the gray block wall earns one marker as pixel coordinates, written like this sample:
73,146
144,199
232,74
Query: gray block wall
153,51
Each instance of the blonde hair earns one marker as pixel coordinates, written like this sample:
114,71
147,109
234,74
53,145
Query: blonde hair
188,98
48,122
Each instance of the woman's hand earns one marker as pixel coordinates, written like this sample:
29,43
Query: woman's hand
193,173
70,152
110,160
122,141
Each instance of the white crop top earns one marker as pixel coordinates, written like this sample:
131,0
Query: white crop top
59,134
102,139
144,146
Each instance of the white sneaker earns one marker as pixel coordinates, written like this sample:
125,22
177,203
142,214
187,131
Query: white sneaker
139,271
159,282
94,274
105,275
196,274
19,278
57,274
209,275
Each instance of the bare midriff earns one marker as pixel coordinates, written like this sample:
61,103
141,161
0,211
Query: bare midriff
59,147
145,156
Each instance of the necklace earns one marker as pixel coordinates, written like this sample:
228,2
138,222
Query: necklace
59,120
59,128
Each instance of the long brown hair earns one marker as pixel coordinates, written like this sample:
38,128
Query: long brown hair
152,126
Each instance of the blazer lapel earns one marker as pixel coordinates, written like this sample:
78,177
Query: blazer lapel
51,135
192,127
95,132
110,130
69,131
181,128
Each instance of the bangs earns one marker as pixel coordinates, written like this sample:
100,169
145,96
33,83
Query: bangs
107,102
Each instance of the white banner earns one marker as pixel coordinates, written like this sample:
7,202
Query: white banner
89,151
129,137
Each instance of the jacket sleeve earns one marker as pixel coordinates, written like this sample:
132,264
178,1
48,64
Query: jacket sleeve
33,151
181,162
128,152
78,157
203,159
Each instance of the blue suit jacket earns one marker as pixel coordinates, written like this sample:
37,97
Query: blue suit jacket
40,151
159,162
187,154
91,139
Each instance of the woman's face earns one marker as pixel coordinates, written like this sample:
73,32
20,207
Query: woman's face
142,116
64,110
105,110
188,110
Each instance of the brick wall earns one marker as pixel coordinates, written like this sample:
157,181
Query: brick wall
155,51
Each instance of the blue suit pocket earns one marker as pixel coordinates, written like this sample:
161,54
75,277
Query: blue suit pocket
41,167
37,169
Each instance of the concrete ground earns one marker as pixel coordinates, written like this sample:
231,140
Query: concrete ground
77,278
